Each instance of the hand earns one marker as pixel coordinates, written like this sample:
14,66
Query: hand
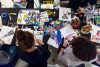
62,50
12,0
66,43
1,42
38,41
81,10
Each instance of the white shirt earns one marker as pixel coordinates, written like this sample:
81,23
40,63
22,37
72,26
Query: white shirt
69,59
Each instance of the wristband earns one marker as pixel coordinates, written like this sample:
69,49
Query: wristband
64,47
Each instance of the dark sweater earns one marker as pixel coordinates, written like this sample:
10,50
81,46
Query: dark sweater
37,58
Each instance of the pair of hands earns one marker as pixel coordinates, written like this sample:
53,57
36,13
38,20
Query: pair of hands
65,45
80,10
38,41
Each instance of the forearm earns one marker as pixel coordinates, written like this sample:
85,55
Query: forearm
62,58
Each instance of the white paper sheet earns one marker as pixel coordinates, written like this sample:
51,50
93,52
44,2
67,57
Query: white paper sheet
39,34
68,32
7,4
46,6
53,43
28,29
21,63
7,34
37,4
16,0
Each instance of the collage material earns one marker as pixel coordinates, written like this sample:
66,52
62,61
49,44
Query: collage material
95,34
65,14
44,17
28,17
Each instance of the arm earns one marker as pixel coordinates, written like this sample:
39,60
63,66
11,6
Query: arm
44,48
62,57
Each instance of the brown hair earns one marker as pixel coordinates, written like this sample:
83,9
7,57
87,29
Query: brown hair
25,39
83,49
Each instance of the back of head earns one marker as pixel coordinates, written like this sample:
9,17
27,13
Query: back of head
25,39
83,49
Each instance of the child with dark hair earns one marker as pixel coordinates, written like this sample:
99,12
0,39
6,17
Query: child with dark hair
34,56
80,51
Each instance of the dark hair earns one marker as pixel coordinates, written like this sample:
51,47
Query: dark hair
25,39
83,49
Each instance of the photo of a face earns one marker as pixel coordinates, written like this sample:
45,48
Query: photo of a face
65,14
